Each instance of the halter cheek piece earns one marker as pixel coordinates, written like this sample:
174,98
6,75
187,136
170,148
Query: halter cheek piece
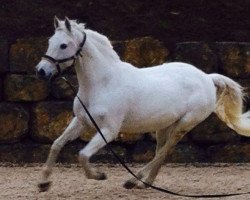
59,61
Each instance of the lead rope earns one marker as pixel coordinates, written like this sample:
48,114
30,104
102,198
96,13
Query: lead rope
129,170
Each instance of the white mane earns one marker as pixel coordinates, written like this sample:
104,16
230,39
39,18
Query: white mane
101,42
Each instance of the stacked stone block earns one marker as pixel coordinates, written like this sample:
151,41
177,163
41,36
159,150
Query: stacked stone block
34,113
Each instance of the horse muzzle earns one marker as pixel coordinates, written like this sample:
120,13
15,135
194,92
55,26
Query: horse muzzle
44,72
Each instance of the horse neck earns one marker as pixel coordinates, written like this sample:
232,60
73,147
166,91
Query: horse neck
93,69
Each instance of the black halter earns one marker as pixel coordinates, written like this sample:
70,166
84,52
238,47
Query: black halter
74,57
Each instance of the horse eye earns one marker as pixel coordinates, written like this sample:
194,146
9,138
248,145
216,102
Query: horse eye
63,46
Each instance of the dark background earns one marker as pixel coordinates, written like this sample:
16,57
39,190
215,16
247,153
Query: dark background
169,21
28,101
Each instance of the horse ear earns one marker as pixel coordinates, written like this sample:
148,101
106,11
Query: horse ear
67,24
56,22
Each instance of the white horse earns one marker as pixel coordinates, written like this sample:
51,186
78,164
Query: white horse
170,99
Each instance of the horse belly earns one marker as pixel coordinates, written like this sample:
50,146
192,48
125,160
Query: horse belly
153,115
147,124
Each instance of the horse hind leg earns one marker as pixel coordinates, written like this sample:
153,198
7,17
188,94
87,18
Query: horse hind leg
184,125
173,135
161,155
161,138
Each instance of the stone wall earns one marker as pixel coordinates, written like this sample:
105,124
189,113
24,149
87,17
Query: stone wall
170,21
33,113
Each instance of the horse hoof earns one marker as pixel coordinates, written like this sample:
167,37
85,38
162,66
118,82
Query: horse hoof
141,186
43,187
129,185
101,176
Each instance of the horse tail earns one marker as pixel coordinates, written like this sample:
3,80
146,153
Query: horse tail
229,105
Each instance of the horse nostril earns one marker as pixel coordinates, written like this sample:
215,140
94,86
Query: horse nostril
41,73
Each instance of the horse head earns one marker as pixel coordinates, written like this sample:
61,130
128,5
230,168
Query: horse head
63,49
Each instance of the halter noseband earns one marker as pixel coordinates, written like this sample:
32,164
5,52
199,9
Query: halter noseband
74,57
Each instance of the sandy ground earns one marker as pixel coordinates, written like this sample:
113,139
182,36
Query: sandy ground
69,182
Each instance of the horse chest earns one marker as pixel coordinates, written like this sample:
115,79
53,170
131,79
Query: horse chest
99,113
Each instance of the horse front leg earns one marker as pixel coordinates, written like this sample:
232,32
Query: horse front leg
72,132
95,144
